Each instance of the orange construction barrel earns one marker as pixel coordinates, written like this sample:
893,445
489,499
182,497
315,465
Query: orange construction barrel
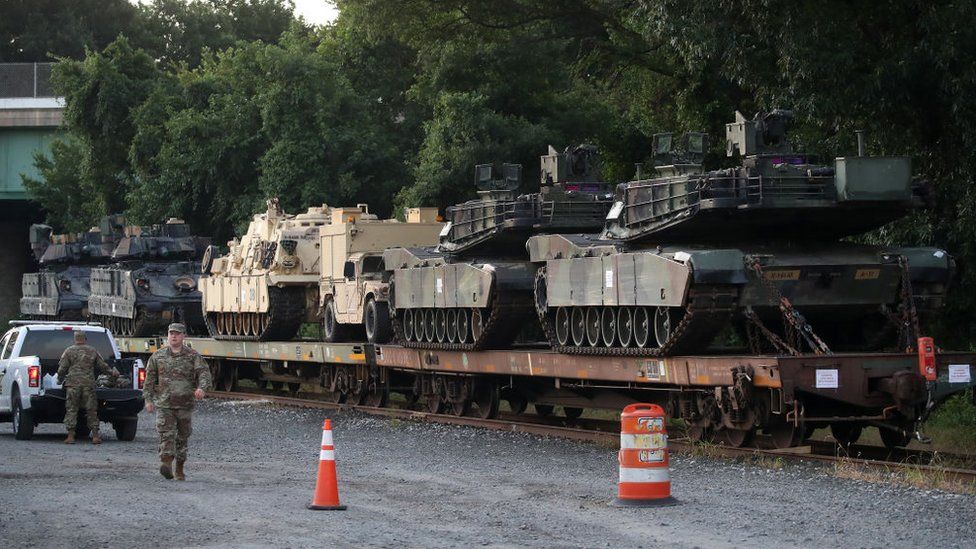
645,478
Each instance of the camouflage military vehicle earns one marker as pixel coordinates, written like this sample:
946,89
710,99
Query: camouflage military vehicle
686,253
474,290
60,290
354,288
154,281
267,286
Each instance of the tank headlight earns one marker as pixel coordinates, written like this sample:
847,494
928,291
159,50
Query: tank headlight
185,283
142,284
65,285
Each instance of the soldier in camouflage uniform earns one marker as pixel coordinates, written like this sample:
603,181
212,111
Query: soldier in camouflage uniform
175,376
76,374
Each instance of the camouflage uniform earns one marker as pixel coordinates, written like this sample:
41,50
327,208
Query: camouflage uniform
170,382
76,373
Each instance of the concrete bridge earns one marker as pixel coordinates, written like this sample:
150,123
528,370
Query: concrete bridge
30,118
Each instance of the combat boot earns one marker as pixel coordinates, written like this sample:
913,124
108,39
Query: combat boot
178,474
70,439
96,438
165,467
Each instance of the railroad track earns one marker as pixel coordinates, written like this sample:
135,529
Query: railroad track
607,432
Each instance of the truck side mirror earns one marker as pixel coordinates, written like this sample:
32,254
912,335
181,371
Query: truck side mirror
349,270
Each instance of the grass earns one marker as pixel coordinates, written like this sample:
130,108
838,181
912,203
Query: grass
953,425
912,476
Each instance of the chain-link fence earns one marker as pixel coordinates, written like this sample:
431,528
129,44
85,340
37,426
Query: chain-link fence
25,80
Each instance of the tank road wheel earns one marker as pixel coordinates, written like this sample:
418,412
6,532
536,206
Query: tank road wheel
418,324
608,326
663,325
265,322
464,326
376,317
642,327
845,433
332,331
430,330
543,410
452,325
736,438
238,324
408,325
246,324
218,322
593,326
562,326
625,326
572,412
578,326
486,398
478,319
440,326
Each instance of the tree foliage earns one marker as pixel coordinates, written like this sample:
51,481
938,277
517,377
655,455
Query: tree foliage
214,108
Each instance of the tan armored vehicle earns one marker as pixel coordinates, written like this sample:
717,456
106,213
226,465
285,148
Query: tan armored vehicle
354,288
267,286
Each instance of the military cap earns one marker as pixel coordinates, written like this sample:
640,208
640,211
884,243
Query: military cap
80,334
177,327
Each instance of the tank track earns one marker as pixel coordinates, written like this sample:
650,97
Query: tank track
508,310
286,307
709,310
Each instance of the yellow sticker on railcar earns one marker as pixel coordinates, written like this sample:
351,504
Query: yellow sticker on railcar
782,275
867,274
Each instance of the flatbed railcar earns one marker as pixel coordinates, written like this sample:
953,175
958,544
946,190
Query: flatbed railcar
727,398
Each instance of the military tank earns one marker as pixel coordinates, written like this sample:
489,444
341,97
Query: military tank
59,291
267,286
153,281
689,253
474,289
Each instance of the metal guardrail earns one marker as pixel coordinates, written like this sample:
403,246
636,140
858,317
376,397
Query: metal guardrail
26,80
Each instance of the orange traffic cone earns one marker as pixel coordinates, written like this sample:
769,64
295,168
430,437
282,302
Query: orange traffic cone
326,497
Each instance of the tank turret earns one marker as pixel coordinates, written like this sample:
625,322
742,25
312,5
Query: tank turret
61,289
153,281
474,290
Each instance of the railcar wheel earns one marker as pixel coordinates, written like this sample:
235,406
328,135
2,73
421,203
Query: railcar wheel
663,327
578,324
429,326
572,412
785,434
736,438
435,404
845,433
440,326
893,439
294,387
625,326
277,385
378,397
486,398
543,410
608,326
699,433
517,402
642,327
452,325
593,327
562,326
464,326
461,407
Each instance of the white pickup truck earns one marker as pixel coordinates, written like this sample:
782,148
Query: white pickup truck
29,390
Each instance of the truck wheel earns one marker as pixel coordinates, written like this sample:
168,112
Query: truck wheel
125,429
332,331
23,419
377,320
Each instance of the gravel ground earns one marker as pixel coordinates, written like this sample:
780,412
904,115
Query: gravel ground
252,470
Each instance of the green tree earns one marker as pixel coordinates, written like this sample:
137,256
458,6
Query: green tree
60,188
